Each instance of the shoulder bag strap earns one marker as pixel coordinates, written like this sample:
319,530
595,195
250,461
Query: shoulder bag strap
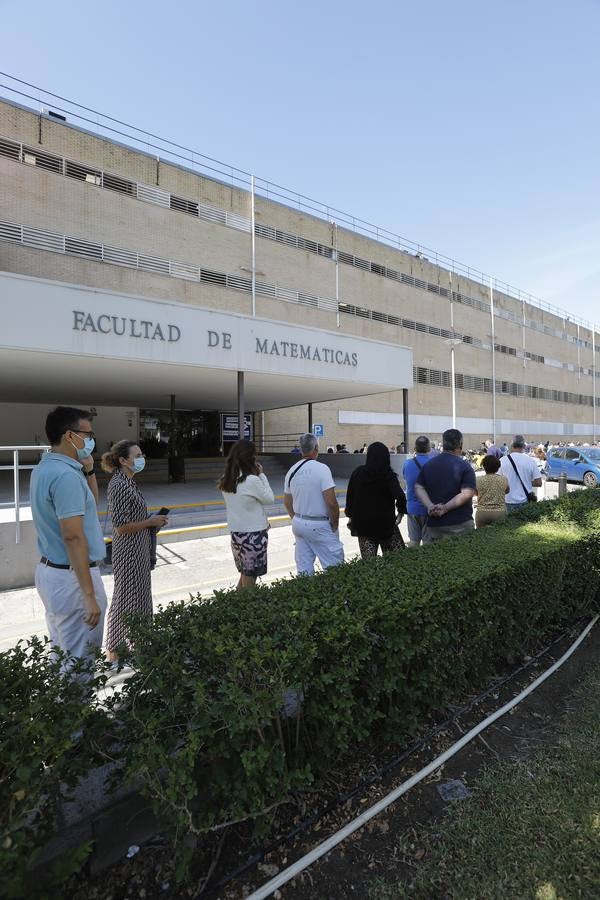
297,469
512,462
417,464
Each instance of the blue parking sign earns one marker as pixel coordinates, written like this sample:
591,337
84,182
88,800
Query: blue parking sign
318,431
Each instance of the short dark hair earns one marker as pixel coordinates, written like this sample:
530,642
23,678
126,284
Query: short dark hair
490,464
452,440
62,419
422,444
519,441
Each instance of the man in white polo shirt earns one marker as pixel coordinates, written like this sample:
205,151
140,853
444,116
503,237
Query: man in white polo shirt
309,498
522,473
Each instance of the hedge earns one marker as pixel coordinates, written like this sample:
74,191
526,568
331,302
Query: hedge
48,728
371,646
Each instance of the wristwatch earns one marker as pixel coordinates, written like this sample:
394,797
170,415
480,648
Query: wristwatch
89,474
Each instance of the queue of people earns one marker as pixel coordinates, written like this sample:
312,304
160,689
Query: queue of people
441,488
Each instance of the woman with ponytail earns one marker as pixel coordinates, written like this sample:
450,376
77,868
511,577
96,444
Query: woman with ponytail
131,545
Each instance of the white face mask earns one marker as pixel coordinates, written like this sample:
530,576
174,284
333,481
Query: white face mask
138,464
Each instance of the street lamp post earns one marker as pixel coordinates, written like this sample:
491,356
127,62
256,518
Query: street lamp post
452,343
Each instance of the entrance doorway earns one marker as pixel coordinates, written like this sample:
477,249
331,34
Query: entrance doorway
192,433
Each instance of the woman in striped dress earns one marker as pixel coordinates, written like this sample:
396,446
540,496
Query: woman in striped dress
132,543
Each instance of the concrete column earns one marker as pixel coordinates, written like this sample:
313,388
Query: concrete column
405,417
172,426
240,404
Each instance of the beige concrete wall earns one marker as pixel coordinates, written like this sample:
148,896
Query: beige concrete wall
17,561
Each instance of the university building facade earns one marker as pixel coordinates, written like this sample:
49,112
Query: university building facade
132,279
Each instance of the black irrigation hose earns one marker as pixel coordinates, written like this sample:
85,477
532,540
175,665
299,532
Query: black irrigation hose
380,773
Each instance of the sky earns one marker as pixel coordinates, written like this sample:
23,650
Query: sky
468,127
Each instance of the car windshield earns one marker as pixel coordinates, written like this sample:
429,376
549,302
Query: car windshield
594,454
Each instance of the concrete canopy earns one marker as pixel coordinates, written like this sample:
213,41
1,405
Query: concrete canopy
34,377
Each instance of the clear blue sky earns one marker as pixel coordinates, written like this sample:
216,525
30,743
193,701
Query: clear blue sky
470,127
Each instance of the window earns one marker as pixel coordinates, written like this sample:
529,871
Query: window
121,185
42,160
82,173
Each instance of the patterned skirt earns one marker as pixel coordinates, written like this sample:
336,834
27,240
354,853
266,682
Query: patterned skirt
249,550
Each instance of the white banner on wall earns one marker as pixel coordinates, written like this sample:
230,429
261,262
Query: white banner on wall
437,424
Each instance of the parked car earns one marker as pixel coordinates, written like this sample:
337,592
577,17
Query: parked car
581,464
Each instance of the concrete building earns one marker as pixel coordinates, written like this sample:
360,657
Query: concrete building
128,278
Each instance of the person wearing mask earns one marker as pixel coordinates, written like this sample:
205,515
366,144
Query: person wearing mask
246,491
375,503
417,514
491,490
132,539
446,487
310,501
522,473
63,494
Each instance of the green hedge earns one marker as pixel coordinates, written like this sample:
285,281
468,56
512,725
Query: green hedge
373,646
48,728
376,644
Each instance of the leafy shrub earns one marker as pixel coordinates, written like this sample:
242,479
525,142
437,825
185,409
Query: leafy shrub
374,644
47,726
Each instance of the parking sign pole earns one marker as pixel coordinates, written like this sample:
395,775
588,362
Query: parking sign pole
240,405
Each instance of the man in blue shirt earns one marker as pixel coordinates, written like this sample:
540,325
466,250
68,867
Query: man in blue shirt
416,513
446,488
63,495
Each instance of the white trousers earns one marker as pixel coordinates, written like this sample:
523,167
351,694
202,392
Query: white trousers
316,539
65,609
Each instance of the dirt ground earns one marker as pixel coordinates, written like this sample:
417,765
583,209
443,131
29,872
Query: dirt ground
388,845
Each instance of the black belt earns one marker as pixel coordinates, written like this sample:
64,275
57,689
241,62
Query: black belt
46,562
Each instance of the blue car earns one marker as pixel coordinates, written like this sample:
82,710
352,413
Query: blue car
580,464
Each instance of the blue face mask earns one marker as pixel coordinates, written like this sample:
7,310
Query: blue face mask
138,464
86,450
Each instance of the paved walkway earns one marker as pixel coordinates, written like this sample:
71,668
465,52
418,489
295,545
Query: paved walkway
184,568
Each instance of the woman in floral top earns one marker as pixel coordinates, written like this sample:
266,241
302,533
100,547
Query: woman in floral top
491,490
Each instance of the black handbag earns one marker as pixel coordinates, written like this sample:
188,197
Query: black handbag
107,561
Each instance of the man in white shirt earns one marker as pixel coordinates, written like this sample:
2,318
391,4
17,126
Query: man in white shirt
528,473
309,498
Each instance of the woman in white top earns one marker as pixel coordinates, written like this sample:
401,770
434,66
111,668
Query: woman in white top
246,492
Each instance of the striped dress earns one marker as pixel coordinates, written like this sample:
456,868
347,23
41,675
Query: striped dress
131,559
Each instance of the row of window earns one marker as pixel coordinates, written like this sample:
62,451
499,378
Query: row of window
464,382
47,240
62,166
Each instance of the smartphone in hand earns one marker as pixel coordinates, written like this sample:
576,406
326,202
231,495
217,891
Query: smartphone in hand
164,511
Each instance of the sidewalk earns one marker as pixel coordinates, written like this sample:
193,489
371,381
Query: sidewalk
190,567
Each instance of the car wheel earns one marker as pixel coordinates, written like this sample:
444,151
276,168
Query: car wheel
590,480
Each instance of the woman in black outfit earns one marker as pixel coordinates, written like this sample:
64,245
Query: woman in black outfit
373,496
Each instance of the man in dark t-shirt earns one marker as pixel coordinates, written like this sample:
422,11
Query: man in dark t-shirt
446,487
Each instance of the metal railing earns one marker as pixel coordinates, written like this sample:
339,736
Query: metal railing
162,148
16,468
